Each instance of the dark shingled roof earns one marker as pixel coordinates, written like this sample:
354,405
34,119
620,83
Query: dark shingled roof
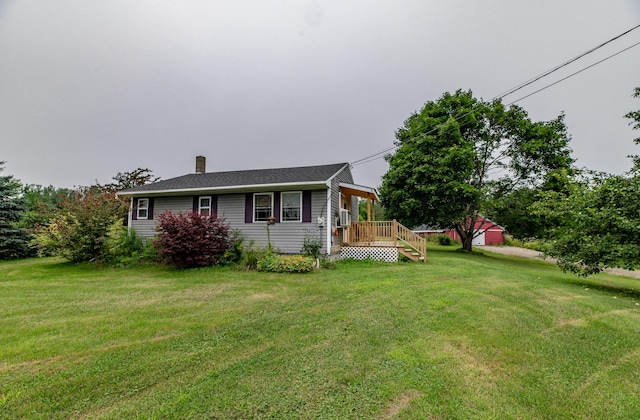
303,174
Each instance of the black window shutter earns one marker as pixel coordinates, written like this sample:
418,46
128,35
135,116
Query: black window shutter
150,210
134,209
276,206
248,208
196,203
214,205
306,206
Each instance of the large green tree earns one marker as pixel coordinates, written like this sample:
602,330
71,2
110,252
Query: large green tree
458,151
599,220
14,241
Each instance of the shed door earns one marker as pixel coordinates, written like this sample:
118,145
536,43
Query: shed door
478,240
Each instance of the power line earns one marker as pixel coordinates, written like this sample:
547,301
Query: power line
558,67
376,156
360,161
573,74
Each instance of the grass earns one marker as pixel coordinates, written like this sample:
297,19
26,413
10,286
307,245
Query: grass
464,336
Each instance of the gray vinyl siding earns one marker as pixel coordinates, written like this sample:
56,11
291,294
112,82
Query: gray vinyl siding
343,176
285,236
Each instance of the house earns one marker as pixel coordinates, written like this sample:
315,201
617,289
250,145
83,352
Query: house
317,200
489,232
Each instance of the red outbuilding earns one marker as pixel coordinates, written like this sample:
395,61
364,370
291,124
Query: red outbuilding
491,233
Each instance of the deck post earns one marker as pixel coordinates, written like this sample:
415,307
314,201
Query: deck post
395,232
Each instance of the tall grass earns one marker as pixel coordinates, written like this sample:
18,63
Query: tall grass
464,336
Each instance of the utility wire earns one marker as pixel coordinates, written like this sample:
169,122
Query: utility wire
573,74
361,161
558,67
376,156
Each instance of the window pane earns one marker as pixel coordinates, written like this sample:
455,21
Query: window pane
204,212
262,207
291,199
143,206
263,200
205,202
291,214
291,207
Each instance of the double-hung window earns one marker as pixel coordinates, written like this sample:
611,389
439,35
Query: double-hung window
204,206
262,206
291,206
142,211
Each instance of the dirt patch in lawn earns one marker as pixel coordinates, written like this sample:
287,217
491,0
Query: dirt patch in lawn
400,403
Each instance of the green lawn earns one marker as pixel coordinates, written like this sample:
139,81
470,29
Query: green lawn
464,336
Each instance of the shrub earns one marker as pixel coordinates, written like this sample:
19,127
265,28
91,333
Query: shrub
275,263
124,246
311,245
235,253
187,240
79,231
251,256
444,239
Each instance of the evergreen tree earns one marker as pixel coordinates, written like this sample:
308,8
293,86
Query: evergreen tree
14,241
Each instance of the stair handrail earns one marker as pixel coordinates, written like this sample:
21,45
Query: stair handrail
410,238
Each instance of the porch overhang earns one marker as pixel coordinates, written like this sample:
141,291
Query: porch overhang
359,191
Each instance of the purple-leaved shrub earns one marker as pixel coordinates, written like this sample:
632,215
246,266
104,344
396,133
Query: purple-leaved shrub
187,240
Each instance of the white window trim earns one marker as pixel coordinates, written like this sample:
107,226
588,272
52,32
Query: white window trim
254,206
140,207
200,207
282,207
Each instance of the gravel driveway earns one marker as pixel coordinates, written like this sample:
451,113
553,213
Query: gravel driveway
529,253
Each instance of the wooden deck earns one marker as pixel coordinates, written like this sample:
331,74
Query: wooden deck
388,233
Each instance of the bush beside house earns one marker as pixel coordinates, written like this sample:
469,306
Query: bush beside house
187,240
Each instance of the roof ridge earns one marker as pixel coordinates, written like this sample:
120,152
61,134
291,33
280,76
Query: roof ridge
243,178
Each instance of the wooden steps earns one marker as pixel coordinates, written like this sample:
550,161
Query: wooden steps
410,253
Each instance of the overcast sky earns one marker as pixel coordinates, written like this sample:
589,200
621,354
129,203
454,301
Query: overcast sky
92,88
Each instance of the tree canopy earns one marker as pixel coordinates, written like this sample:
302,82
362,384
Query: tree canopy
634,116
599,220
135,178
458,151
599,224
514,209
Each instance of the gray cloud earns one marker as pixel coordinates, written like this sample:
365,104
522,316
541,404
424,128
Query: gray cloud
92,88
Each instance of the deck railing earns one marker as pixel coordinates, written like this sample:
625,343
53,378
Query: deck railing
386,233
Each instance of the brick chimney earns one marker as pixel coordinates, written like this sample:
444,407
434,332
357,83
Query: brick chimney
201,164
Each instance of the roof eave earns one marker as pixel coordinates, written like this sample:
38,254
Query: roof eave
360,190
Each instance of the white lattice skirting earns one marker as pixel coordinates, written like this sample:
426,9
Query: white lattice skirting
389,254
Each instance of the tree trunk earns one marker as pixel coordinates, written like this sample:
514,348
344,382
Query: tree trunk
467,243
466,237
